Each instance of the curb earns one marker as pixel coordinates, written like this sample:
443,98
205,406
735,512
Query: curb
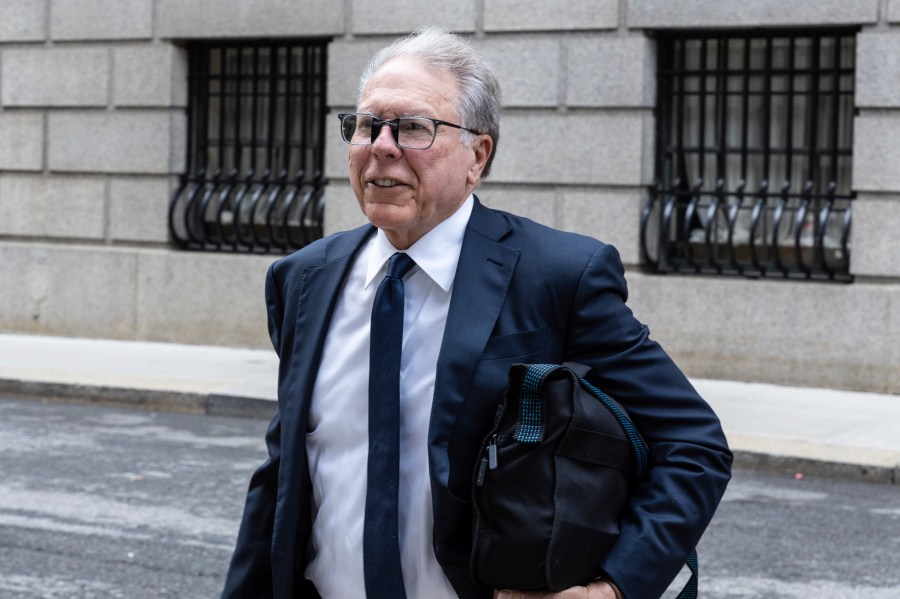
793,465
212,404
235,406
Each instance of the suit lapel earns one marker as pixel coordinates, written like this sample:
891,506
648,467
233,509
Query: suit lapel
479,290
316,298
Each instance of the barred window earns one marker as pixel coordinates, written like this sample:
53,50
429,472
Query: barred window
254,174
753,158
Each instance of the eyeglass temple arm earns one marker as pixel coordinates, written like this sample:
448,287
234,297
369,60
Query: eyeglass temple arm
455,126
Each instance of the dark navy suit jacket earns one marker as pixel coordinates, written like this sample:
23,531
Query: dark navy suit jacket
522,293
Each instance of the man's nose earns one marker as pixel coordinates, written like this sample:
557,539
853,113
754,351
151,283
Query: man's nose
384,141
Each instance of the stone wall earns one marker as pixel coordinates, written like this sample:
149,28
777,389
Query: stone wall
92,139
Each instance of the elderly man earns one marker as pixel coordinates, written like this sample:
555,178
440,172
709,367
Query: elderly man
395,340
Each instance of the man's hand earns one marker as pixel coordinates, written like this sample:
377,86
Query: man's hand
596,590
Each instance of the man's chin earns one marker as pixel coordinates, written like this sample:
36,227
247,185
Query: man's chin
387,215
399,226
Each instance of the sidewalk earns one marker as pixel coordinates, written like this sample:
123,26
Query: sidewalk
795,430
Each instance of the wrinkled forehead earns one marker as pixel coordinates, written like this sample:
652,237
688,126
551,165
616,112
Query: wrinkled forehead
406,86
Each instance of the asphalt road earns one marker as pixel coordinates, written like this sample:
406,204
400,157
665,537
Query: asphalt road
99,502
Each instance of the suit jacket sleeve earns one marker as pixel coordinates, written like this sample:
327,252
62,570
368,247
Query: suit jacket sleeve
250,573
690,462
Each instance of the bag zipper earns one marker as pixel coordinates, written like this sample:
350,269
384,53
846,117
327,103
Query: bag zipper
488,460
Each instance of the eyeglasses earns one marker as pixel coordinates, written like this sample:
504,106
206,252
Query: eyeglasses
410,132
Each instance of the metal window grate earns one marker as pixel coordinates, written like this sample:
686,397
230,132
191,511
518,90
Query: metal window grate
254,177
753,164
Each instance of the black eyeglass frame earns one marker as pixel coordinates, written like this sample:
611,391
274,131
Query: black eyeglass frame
394,124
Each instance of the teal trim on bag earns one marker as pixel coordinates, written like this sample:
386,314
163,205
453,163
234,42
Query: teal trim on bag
641,455
531,407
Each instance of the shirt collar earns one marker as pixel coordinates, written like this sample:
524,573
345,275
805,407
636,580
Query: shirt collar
436,252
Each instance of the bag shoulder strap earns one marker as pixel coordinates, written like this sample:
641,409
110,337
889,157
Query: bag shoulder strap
691,587
641,454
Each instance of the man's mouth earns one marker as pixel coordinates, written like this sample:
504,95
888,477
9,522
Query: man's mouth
385,182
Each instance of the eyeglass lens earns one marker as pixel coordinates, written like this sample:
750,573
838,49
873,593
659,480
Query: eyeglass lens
408,132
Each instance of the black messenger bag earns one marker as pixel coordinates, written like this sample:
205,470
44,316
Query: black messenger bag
554,479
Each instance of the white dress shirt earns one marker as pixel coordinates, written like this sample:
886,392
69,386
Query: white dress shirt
337,442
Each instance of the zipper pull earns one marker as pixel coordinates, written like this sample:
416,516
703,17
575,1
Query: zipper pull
487,461
482,470
492,453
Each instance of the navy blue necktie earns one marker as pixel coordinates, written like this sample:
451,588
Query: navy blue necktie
381,537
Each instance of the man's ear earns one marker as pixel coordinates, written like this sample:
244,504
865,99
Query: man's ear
482,148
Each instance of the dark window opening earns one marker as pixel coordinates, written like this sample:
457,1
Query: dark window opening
254,175
753,155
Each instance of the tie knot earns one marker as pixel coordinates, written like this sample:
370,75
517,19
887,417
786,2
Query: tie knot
398,265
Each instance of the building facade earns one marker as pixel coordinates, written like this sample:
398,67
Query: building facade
157,155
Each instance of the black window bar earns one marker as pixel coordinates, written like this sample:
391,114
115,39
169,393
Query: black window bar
254,176
753,155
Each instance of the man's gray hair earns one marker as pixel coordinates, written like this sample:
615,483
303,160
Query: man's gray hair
479,92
